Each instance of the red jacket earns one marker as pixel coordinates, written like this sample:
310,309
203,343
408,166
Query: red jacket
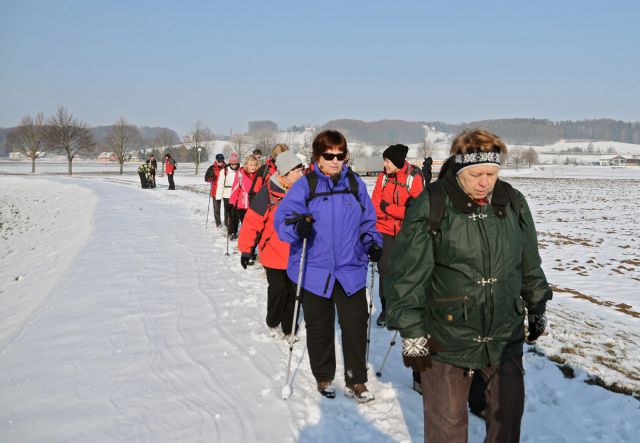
395,194
258,221
240,189
169,166
214,178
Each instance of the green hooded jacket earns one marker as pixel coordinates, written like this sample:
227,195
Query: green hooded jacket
468,286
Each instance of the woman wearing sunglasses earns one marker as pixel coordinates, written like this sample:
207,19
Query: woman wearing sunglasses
339,223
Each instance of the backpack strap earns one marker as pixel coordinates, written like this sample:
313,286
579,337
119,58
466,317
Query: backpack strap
412,172
436,206
312,180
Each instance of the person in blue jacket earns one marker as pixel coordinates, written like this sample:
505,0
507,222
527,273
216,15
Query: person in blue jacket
333,211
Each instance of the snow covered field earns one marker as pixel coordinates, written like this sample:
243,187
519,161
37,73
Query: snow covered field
123,320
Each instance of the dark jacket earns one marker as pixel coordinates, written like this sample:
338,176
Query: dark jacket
469,286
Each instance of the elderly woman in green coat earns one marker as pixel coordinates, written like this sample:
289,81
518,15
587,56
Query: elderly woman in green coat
463,278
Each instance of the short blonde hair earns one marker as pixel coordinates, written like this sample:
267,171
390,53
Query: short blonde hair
250,158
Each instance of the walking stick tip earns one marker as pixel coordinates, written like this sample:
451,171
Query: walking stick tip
286,392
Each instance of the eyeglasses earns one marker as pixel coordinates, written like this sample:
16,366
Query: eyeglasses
329,156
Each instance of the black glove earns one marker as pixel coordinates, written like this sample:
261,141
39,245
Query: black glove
375,252
415,353
304,228
383,206
537,325
244,259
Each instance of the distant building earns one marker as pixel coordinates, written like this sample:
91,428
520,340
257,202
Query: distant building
613,160
106,157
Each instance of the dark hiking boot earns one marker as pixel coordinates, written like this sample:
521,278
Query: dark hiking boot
359,392
382,320
326,390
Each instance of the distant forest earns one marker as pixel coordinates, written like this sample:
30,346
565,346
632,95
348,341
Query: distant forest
522,131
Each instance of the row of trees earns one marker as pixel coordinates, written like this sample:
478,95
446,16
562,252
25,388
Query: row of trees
60,133
63,134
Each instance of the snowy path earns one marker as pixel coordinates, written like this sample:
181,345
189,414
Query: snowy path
132,325
137,340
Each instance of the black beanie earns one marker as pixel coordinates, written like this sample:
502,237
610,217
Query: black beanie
397,154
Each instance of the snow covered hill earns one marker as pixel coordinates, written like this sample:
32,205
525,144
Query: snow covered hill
123,320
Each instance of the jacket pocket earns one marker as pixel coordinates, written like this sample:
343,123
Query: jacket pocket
453,309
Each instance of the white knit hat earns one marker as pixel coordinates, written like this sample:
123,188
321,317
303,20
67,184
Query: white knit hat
286,161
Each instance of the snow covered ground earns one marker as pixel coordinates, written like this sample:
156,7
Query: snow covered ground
123,320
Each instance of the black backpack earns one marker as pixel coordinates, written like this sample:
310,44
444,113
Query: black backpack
209,174
312,180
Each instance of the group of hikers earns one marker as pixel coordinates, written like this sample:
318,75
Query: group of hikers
147,171
457,259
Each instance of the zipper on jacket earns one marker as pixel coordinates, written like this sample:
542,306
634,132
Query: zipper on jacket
488,270
326,285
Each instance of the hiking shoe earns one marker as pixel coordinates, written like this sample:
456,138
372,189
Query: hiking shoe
326,390
287,337
382,320
273,332
359,392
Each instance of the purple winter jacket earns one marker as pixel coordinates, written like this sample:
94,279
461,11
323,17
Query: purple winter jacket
342,234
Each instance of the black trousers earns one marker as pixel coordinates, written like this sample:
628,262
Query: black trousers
172,185
281,297
388,243
235,217
216,211
143,180
319,316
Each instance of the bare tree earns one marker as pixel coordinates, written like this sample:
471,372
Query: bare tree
28,138
426,149
163,142
197,139
122,139
266,139
240,145
516,156
356,150
531,156
306,148
66,134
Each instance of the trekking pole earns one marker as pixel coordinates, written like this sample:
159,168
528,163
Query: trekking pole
384,361
227,243
286,390
373,269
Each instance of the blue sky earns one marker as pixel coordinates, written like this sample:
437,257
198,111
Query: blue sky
172,63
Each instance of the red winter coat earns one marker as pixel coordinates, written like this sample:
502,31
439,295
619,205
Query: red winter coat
214,180
395,194
258,221
169,166
240,189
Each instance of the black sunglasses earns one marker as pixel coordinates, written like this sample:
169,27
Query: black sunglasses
329,156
